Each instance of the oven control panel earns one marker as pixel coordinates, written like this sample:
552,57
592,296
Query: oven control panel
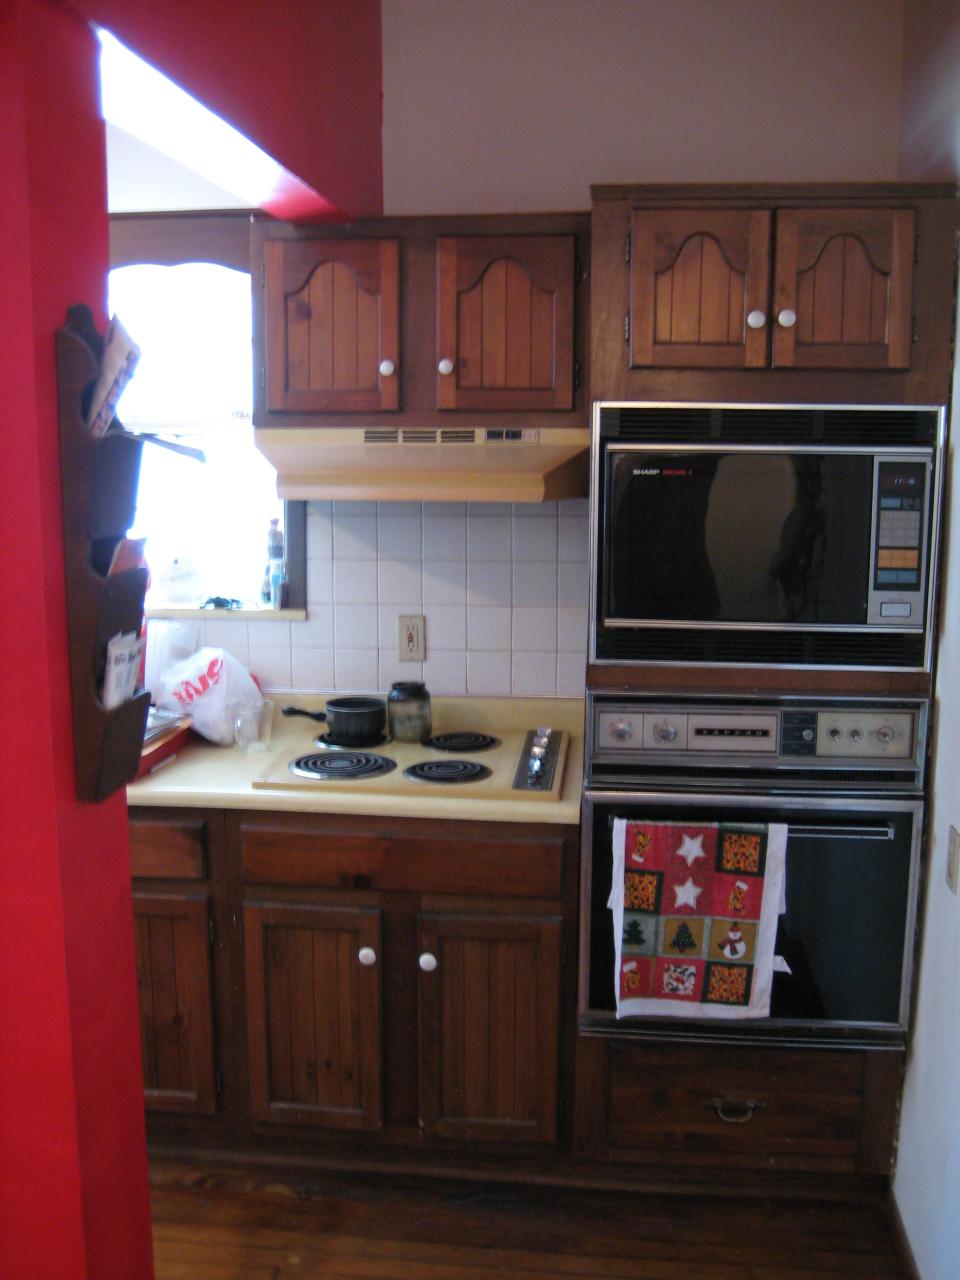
783,734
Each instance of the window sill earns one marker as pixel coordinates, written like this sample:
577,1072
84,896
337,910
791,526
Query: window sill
236,615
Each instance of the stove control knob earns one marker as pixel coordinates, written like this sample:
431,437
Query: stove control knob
836,734
622,730
427,962
808,735
665,732
886,734
856,734
367,956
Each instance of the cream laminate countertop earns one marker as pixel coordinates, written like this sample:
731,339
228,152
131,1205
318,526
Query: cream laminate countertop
206,776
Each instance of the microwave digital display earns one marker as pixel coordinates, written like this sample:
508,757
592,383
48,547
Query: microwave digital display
745,537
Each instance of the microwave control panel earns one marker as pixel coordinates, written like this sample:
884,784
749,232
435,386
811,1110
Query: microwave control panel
633,730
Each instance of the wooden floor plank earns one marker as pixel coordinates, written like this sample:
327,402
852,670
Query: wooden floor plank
230,1225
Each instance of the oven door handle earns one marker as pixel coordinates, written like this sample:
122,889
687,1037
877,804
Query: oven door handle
884,831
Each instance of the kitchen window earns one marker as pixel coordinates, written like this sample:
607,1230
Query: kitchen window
205,523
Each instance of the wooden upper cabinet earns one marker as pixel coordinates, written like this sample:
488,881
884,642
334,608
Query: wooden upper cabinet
699,285
505,322
332,325
843,288
313,994
489,1027
790,288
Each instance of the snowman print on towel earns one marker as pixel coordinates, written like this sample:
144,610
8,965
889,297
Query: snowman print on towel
733,945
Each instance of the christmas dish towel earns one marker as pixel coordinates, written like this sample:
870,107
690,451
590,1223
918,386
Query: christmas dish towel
695,910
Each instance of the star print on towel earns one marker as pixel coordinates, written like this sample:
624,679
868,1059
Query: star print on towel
691,849
687,894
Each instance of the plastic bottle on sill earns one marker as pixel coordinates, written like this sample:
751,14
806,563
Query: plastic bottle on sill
278,584
274,554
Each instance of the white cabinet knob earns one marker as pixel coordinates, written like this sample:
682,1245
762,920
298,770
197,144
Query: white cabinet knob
787,318
427,962
757,319
367,956
387,368
445,366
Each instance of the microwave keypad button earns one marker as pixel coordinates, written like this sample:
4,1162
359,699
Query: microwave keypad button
895,609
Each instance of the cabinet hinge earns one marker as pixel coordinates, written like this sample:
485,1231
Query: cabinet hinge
212,930
915,330
263,377
263,274
626,328
217,1083
577,271
916,250
627,247
576,375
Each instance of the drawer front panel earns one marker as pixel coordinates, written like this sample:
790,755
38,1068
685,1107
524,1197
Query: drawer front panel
751,1106
331,860
168,850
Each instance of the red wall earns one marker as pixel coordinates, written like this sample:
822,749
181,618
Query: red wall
302,80
73,1192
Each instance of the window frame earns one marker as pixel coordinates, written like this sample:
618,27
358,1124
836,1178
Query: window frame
222,237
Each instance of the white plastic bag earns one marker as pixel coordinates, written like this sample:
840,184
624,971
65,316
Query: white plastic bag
168,642
211,687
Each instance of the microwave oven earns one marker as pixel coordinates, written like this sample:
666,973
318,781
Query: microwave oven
765,535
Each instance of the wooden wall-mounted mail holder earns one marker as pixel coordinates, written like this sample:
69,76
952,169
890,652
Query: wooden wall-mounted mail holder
99,495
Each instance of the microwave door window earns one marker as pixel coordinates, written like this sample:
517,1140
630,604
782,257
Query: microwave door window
739,537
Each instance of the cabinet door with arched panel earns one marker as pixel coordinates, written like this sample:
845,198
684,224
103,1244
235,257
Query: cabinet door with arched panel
699,286
843,288
332,325
505,322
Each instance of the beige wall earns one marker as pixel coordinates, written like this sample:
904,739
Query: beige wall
927,1185
503,105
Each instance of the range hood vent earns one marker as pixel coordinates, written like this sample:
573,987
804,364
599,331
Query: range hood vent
441,464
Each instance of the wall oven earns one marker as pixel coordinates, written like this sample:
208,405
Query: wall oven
844,774
765,535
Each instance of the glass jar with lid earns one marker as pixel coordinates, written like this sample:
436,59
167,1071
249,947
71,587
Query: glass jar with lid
408,711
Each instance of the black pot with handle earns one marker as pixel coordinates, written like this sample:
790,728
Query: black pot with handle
353,722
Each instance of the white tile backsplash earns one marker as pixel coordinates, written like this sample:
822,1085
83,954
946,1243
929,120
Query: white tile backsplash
503,589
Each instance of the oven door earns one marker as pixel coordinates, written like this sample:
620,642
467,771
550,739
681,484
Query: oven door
852,869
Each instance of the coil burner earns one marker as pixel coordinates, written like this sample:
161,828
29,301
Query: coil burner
462,742
447,771
341,765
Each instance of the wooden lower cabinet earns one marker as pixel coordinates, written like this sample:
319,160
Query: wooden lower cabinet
715,1107
489,992
173,980
313,1014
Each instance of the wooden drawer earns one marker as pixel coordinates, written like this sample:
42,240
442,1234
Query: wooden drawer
414,863
171,850
738,1106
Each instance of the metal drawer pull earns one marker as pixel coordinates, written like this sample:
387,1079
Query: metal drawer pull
367,956
733,1111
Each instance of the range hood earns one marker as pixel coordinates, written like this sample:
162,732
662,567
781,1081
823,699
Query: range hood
442,464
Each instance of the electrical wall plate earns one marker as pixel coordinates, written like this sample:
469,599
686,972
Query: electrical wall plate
953,859
412,645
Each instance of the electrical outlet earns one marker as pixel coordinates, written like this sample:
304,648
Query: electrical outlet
953,859
413,637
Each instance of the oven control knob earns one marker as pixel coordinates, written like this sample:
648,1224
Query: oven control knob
856,734
665,732
836,734
622,730
886,734
808,735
